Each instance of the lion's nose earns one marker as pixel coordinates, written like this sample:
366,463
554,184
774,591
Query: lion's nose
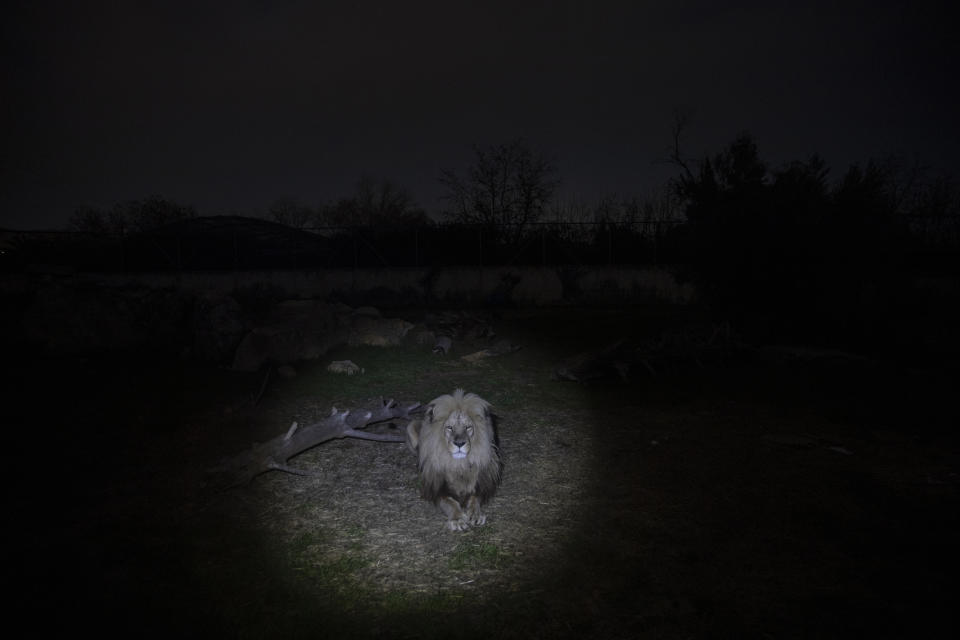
460,443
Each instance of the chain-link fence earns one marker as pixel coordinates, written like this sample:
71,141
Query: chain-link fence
242,243
537,244
235,243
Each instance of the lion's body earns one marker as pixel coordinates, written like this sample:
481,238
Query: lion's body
458,458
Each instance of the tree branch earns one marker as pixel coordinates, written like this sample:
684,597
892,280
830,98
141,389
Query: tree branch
681,120
275,454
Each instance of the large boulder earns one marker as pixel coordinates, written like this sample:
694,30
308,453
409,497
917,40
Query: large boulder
378,332
307,329
218,327
295,330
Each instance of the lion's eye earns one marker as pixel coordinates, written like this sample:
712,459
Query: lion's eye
449,428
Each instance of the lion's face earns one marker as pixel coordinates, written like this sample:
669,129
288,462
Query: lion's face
458,432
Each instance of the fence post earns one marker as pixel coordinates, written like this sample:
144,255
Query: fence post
480,259
656,240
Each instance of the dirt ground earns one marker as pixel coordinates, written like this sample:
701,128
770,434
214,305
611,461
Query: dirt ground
751,493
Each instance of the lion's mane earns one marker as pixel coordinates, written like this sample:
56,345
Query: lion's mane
458,485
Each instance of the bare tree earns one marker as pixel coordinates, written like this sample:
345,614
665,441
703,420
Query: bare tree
681,121
92,220
375,202
659,206
507,185
133,216
292,213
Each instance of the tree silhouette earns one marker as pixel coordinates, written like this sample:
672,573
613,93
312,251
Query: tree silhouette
132,216
725,210
375,202
94,221
291,212
782,252
507,184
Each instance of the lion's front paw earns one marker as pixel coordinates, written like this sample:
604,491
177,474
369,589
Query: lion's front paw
478,519
458,525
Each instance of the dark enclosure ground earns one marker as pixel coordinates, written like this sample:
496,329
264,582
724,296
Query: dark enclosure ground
750,493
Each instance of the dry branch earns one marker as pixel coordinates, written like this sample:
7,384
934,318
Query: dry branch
275,454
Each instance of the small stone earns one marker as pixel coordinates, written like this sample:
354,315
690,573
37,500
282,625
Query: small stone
344,366
442,345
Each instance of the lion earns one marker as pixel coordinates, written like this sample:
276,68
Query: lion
459,457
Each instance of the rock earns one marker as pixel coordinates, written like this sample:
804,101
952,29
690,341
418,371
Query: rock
426,337
460,324
598,364
476,356
379,332
500,348
443,344
298,330
370,312
217,327
503,347
307,329
344,366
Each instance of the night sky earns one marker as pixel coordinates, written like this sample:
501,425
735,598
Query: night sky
229,106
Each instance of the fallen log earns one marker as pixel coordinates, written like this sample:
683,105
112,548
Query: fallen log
275,454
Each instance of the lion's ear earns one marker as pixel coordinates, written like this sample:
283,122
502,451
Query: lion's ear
428,414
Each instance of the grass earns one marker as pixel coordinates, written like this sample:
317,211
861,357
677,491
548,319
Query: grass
330,573
654,508
388,372
476,554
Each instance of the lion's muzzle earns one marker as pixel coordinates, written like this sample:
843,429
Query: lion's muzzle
459,446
